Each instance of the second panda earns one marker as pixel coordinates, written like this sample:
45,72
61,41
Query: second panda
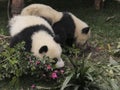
38,36
67,26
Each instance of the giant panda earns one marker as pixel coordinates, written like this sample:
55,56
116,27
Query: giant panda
66,25
38,36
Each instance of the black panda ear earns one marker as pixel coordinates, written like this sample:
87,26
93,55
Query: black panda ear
43,49
85,30
57,38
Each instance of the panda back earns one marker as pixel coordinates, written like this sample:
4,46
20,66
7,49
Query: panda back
18,23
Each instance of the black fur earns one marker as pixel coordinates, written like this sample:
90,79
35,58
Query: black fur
25,35
48,20
65,28
43,49
85,30
57,39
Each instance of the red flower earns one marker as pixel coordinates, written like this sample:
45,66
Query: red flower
48,67
37,62
33,86
31,61
54,75
62,71
56,71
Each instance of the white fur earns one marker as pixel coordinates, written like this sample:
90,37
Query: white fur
79,24
60,63
42,10
18,23
39,39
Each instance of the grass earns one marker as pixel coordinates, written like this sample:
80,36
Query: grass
103,32
105,27
3,18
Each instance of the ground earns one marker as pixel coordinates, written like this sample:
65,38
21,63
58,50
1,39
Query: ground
104,24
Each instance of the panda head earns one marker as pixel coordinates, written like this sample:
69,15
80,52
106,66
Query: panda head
82,31
82,36
43,44
57,58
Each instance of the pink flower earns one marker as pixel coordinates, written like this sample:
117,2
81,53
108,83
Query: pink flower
48,67
62,71
44,75
54,75
37,62
31,61
33,86
56,71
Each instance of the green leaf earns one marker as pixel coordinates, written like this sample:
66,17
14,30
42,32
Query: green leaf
112,61
77,87
14,61
89,77
68,78
4,66
118,46
114,84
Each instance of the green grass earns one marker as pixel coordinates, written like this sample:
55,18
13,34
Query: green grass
3,18
97,21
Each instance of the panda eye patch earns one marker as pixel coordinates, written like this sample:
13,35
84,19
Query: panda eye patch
43,49
85,30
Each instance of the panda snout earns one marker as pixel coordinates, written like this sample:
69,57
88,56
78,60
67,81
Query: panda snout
78,45
59,63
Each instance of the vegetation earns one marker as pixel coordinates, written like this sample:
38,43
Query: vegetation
16,63
95,68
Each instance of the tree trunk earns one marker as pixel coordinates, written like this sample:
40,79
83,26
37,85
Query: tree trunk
99,4
16,7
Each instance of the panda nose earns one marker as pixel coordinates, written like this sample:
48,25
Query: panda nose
55,60
81,45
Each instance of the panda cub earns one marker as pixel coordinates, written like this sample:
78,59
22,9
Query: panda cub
38,36
66,25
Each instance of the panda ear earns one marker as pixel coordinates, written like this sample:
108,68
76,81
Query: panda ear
43,49
57,38
85,30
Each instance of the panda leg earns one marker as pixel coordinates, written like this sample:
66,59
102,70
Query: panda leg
28,45
14,41
70,42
